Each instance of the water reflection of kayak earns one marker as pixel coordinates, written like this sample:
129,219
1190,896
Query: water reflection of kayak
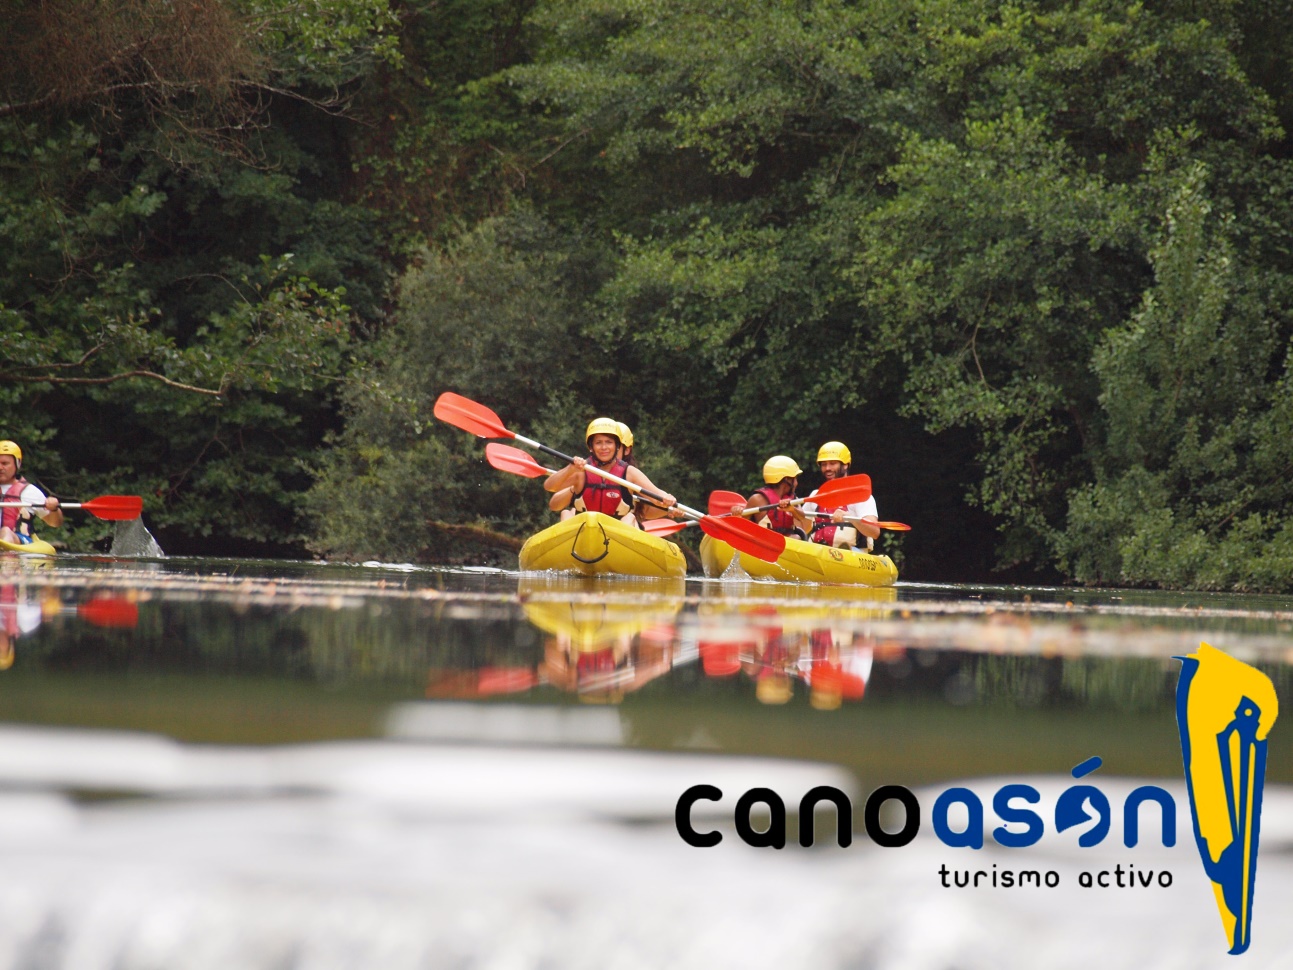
796,606
589,614
805,562
594,544
37,547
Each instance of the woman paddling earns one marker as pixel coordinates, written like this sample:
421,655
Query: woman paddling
591,492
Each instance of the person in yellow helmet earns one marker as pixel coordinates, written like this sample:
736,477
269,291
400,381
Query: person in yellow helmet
578,487
846,522
626,442
15,522
781,479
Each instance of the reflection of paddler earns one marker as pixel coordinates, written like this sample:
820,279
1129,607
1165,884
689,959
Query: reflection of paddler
606,672
16,619
838,667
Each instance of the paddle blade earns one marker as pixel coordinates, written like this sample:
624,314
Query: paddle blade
744,536
663,527
846,490
465,413
843,496
720,502
109,612
508,459
894,526
116,508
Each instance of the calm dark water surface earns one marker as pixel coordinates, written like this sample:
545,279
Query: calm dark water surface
270,765
912,684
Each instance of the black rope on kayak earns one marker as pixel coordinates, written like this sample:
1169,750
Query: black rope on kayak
606,544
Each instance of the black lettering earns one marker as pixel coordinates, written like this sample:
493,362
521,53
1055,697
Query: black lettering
843,815
682,816
1030,874
775,836
1049,874
1103,878
1165,879
871,816
942,872
1084,880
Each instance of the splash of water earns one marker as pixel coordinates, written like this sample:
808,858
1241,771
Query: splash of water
132,539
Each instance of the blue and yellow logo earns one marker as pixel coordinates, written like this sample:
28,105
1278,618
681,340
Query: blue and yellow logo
1224,711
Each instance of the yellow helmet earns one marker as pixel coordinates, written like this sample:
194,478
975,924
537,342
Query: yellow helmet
835,451
602,426
773,688
778,467
626,436
8,447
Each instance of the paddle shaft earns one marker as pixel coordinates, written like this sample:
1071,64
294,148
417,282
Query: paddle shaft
815,499
38,505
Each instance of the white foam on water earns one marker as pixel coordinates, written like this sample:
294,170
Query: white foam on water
133,540
398,855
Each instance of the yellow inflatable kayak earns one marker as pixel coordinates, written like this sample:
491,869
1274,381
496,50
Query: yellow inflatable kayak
37,547
804,562
594,544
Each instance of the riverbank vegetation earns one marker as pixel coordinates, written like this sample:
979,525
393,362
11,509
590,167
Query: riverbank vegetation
1031,260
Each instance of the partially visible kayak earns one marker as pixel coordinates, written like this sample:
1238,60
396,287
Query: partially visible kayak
37,547
803,562
594,544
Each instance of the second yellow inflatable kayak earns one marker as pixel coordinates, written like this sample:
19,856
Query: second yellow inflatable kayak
804,562
594,544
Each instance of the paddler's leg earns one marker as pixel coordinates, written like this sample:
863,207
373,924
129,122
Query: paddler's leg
846,537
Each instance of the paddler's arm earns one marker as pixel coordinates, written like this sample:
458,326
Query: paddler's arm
860,522
804,522
635,475
865,527
560,501
53,515
571,477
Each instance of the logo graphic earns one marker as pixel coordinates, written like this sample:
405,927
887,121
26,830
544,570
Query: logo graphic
1224,712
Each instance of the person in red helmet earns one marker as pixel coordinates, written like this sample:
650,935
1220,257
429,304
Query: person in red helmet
578,487
15,522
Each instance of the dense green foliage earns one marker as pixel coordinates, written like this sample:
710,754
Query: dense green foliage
1031,260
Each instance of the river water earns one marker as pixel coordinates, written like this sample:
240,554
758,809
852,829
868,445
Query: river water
257,764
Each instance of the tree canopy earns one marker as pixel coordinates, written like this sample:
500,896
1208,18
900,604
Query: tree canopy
1031,260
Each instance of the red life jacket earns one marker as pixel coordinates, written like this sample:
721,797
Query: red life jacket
779,520
9,518
601,495
825,531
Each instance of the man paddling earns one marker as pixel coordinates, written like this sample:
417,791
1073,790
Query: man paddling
590,491
15,523
781,478
847,521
